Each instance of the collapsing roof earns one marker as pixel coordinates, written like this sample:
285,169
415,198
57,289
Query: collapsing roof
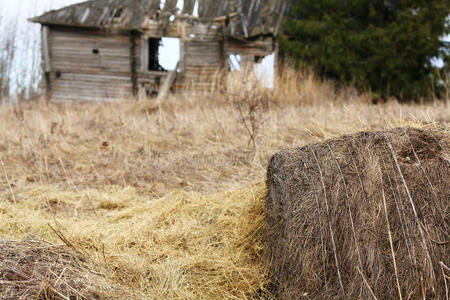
241,18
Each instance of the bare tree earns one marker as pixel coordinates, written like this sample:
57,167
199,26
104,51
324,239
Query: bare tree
20,55
7,54
2,65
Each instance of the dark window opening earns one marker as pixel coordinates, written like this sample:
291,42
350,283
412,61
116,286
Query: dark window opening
58,74
153,55
259,59
95,51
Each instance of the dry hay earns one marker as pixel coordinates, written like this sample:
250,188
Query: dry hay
185,245
363,216
99,170
193,144
34,269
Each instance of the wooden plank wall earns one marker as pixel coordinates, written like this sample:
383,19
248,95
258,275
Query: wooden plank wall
203,63
203,59
78,72
255,48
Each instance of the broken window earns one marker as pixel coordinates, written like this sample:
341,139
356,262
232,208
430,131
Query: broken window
163,54
153,55
265,70
234,62
263,66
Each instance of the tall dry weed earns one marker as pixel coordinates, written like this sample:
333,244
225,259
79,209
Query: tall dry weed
304,87
251,99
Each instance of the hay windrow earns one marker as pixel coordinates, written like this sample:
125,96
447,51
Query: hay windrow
182,246
363,216
35,269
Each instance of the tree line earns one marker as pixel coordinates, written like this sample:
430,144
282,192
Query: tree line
383,46
20,56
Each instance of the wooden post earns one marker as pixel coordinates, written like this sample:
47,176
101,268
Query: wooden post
182,47
165,88
279,64
46,61
134,35
224,68
247,63
144,53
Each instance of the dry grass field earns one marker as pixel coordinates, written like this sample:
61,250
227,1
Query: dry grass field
160,201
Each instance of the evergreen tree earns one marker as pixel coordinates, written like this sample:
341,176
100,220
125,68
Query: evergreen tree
383,45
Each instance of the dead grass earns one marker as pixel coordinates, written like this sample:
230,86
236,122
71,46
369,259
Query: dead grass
35,269
193,144
183,246
166,202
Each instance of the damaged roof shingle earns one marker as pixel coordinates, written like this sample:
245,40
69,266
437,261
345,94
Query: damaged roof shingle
255,17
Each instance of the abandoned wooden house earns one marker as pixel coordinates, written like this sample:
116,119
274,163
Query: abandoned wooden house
109,49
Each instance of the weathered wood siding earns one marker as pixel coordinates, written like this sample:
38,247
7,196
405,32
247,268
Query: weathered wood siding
95,65
90,65
203,60
254,48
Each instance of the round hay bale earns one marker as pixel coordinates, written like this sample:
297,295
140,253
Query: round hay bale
363,216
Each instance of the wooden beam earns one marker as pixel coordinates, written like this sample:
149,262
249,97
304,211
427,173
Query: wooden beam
224,18
47,64
164,91
280,11
188,6
155,4
183,35
46,48
203,7
278,65
144,53
134,35
171,6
